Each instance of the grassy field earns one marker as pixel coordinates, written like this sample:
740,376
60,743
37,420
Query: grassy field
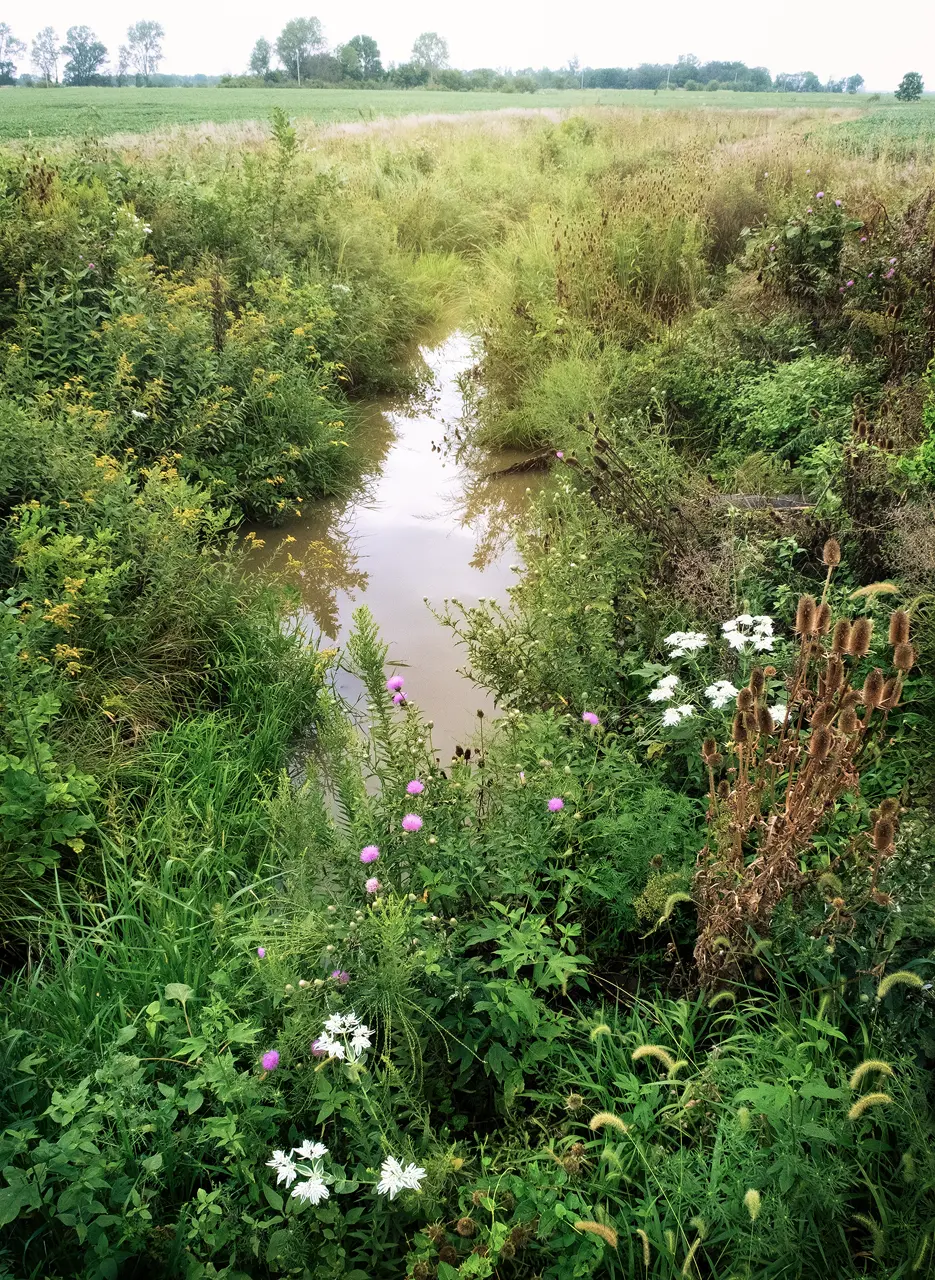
63,112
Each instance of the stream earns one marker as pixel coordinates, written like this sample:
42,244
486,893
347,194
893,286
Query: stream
421,525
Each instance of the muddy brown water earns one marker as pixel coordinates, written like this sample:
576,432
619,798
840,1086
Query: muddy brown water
422,525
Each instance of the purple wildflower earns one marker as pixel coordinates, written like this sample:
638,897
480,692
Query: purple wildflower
559,453
369,853
261,952
869,275
398,698
772,248
270,1059
819,195
415,787
809,209
412,822
849,285
317,1050
341,977
863,239
892,260
590,718
888,275
555,804
394,683
838,203
372,885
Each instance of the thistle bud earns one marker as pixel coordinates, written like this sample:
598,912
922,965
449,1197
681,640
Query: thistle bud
842,636
861,635
805,616
899,627
831,553
819,744
744,700
823,619
904,657
883,834
872,693
757,681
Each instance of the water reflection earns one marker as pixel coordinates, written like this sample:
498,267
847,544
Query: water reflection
423,525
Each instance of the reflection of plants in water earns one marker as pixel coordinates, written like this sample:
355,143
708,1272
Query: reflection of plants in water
490,503
325,566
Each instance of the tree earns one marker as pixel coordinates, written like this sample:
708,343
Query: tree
85,55
368,57
145,45
260,57
10,48
853,84
298,41
45,54
910,87
124,62
430,52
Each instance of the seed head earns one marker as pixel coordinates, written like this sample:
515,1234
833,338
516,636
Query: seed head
744,700
805,616
823,619
723,789
904,657
757,681
890,694
861,635
842,636
848,721
873,689
764,722
884,833
574,1102
899,627
738,729
831,553
889,807
822,715
834,672
819,744
465,1227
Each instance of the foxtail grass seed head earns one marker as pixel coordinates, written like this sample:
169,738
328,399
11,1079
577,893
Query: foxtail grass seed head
645,1241
823,619
873,689
866,1102
656,1051
720,997
607,1234
602,1029
805,616
904,657
672,902
901,978
870,1066
831,553
899,627
840,641
861,635
607,1120
753,1203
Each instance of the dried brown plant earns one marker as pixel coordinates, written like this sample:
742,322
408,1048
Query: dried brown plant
780,780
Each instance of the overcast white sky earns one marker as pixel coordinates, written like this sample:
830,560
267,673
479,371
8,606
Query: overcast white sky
830,37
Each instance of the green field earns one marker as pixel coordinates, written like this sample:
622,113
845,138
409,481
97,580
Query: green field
65,112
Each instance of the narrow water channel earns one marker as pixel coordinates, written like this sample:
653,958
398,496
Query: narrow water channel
421,526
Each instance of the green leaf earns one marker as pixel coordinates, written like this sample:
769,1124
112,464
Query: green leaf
152,1164
277,1243
125,1034
273,1197
446,1271
193,1100
179,991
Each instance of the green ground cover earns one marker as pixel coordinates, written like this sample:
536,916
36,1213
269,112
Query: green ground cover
640,982
70,112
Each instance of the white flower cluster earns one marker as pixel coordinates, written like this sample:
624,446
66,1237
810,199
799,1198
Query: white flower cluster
749,630
681,642
675,715
665,689
394,1178
303,1162
345,1037
720,693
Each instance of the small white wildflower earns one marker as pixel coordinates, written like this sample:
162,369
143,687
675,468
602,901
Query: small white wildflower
763,644
394,1178
682,642
720,693
671,717
138,413
285,1168
664,690
310,1150
778,713
685,710
313,1189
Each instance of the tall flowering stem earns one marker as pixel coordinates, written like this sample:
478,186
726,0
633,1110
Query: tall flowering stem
782,773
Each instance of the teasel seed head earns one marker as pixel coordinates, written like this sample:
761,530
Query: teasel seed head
833,673
861,635
764,722
465,1227
899,627
757,681
821,716
872,692
738,730
819,744
744,700
823,619
851,698
904,657
848,721
889,807
769,672
831,553
750,721
710,754
842,636
805,616
891,691
884,832
723,789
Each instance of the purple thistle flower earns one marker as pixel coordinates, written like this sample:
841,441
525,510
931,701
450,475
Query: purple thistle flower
590,718
415,787
809,209
850,284
369,853
892,260
559,453
270,1059
869,275
555,804
317,1050
888,275
838,203
394,683
863,239
372,885
261,952
398,698
819,195
412,822
841,290
341,977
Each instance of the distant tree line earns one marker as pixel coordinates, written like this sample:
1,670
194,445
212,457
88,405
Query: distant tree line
300,55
